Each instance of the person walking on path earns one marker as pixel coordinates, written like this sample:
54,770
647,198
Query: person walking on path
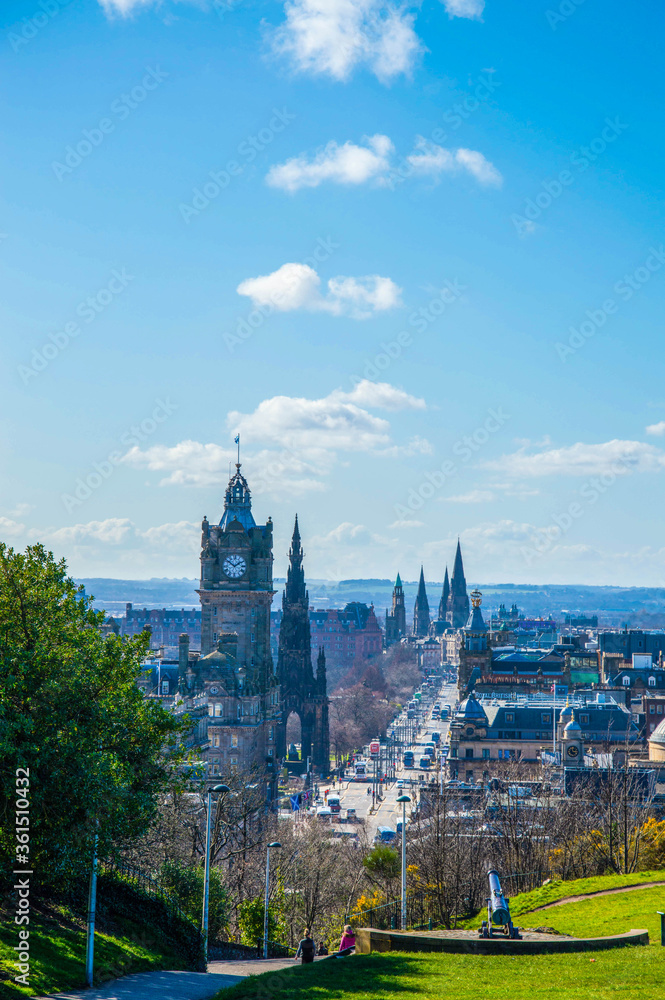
306,948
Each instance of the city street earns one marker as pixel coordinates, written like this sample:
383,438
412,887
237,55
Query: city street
353,794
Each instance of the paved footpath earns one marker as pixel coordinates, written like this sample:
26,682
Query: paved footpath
178,985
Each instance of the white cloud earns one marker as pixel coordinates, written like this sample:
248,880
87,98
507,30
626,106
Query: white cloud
656,429
396,525
297,286
615,457
124,7
382,396
112,531
473,496
334,37
465,8
298,441
433,160
346,164
352,164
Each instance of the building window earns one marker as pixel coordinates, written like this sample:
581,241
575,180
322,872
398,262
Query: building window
546,719
234,763
215,741
652,682
239,711
660,709
625,680
453,752
218,709
165,687
270,733
234,741
253,639
214,635
652,709
584,720
211,709
486,753
469,776
213,690
469,752
214,611
510,717
270,751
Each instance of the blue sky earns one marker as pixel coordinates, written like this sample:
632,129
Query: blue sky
412,254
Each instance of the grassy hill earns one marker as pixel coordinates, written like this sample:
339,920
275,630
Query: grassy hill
621,974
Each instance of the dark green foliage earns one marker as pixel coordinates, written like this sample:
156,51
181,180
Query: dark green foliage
184,883
97,751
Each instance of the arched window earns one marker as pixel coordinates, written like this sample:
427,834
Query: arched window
625,680
652,682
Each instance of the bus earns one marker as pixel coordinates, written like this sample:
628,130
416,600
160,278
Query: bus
425,763
334,803
408,758
360,767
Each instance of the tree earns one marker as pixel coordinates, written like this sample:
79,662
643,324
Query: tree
98,754
383,868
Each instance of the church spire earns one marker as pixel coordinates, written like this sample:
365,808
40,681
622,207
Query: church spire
458,601
295,591
445,594
421,619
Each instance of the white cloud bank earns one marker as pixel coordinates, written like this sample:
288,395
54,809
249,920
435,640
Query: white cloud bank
465,8
614,457
293,442
353,164
297,286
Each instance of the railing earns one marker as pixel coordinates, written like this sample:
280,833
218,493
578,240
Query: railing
147,884
426,910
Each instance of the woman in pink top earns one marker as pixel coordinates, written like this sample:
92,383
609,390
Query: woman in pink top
348,940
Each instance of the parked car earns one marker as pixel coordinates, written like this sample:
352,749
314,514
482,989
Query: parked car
400,783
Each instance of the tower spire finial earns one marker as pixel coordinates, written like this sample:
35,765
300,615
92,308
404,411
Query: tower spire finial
236,441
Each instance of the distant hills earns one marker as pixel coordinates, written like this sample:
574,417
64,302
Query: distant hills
614,605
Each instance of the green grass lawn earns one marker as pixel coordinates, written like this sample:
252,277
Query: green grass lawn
623,974
636,973
554,891
58,956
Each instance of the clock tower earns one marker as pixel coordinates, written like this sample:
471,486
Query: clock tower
236,668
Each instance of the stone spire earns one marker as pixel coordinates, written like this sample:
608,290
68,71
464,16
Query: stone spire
238,502
421,619
458,600
445,594
295,591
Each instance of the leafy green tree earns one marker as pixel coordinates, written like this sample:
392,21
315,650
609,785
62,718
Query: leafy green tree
98,753
185,884
383,868
251,914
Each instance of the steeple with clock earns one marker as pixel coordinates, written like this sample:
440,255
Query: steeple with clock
236,584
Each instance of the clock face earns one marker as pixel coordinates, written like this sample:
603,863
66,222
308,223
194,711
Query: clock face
234,566
572,751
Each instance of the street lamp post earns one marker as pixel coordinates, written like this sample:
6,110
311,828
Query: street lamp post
206,877
92,901
275,843
404,799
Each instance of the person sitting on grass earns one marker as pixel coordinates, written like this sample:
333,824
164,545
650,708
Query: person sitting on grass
348,942
306,948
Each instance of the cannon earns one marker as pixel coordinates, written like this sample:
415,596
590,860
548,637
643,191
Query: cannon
498,911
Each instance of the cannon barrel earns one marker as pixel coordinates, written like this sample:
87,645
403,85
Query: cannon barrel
498,907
